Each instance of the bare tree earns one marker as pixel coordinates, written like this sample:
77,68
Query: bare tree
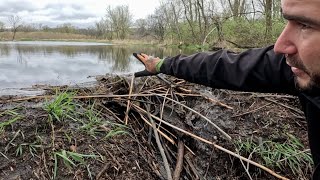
1,26
100,29
120,20
15,22
141,25
237,7
157,24
268,15
171,13
189,16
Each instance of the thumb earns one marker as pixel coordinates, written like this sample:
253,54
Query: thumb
143,73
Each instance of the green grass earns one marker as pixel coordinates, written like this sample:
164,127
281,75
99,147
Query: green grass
117,129
62,106
12,117
290,154
70,159
92,121
32,148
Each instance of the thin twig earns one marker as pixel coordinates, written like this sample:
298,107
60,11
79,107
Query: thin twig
274,95
113,158
293,109
163,155
128,104
106,166
193,169
164,135
254,110
210,122
179,164
244,166
218,102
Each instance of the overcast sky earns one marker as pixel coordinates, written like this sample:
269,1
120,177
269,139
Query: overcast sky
82,13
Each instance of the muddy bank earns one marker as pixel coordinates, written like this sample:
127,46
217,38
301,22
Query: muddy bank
106,132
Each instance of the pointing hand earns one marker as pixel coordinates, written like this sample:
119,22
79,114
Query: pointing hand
150,64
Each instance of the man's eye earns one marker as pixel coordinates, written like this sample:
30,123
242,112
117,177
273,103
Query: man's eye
304,26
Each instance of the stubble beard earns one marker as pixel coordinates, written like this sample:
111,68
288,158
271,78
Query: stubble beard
314,80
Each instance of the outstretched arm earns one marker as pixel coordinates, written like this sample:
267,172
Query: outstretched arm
259,70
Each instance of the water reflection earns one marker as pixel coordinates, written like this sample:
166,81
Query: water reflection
23,64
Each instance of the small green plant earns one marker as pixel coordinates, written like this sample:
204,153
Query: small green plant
70,159
61,106
118,129
92,121
31,147
282,155
12,117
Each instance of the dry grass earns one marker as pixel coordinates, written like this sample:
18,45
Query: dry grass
43,36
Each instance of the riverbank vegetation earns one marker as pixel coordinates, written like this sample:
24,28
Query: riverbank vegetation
199,23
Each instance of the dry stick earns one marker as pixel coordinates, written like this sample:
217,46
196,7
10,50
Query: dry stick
162,107
92,96
218,102
175,85
128,104
164,101
179,164
210,122
193,169
274,95
248,112
113,158
164,158
164,135
79,97
214,145
45,164
112,113
293,109
244,166
201,94
106,166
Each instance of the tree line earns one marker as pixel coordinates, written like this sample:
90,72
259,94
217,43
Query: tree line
242,23
200,22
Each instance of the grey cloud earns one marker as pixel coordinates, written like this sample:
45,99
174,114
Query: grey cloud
74,16
56,13
59,6
16,6
77,12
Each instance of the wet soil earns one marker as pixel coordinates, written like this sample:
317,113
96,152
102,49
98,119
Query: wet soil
118,142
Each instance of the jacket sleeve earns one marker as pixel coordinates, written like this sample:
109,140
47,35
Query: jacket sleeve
259,70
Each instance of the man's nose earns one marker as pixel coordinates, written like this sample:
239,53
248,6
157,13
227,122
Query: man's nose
285,43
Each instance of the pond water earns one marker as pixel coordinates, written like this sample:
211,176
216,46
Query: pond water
27,63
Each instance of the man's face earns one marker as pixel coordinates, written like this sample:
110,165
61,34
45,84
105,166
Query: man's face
300,40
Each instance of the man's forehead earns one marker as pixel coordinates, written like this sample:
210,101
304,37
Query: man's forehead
292,3
304,11
310,8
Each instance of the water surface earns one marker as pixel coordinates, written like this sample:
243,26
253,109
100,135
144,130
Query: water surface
27,63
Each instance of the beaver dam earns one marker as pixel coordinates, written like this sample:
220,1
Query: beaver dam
155,127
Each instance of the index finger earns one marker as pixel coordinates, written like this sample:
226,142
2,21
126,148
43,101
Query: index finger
141,58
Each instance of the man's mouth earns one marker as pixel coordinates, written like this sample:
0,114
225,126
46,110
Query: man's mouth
297,71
